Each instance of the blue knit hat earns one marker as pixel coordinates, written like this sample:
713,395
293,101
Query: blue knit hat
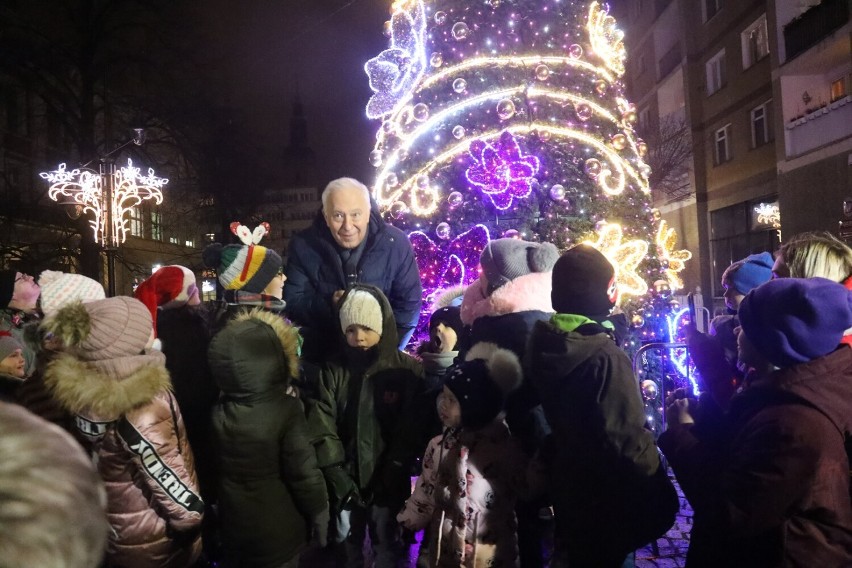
795,320
754,271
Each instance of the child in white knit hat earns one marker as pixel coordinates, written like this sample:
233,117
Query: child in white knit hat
361,418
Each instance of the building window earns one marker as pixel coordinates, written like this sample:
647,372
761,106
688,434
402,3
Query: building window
740,230
156,226
840,88
711,7
173,240
761,124
723,145
210,237
137,228
716,72
189,243
755,42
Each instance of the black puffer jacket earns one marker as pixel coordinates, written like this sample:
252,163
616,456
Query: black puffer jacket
270,488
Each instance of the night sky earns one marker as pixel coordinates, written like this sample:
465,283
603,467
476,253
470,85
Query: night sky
271,48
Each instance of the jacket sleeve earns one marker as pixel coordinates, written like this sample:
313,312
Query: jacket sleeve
305,303
420,506
151,435
299,464
406,292
322,418
622,416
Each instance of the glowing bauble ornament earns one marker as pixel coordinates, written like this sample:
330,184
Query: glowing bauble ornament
420,112
458,131
649,390
642,147
593,167
388,126
584,111
655,214
674,305
630,117
398,209
601,87
391,180
436,60
459,85
443,231
557,192
619,141
422,181
386,28
637,321
440,17
455,199
542,72
662,288
375,158
645,171
505,109
544,135
575,51
494,4
512,234
402,155
460,31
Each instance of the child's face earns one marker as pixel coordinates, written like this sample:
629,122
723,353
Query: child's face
443,338
449,409
747,353
13,364
733,298
361,337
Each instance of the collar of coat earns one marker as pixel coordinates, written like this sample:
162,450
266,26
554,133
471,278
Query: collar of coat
107,389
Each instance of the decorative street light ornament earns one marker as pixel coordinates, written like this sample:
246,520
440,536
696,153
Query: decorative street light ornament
109,195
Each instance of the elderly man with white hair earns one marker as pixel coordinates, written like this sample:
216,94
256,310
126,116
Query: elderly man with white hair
349,243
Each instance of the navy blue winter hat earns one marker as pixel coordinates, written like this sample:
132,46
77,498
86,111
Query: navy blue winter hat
482,382
796,320
450,316
754,271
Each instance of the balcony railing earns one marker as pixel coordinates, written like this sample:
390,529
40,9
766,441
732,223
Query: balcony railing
669,61
814,25
823,126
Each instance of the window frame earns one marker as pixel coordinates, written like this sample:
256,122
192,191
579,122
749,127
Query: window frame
768,131
726,139
716,69
749,57
706,13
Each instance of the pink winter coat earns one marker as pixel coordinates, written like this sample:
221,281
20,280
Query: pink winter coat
125,408
467,491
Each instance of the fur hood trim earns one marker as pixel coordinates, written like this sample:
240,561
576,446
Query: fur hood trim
82,387
287,334
448,297
526,293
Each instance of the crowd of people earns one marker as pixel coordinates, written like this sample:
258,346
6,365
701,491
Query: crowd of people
162,431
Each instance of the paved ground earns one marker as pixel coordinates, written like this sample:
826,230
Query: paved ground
669,553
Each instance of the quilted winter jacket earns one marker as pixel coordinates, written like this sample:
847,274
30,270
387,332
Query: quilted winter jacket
315,272
125,408
467,491
270,488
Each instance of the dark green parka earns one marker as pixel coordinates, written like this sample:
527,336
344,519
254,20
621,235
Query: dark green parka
270,488
361,418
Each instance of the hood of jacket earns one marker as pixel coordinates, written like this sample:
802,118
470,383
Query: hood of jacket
530,292
256,352
825,383
107,389
564,350
389,341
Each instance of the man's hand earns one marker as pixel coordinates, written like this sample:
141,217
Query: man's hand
335,298
677,413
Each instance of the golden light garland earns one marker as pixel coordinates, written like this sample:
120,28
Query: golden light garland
674,260
625,256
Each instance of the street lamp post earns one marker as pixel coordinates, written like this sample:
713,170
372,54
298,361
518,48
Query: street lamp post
108,194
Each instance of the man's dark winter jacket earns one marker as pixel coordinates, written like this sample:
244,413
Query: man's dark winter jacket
270,488
779,494
609,490
315,272
361,418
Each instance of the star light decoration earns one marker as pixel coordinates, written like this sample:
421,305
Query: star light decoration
501,171
395,71
673,260
86,189
625,256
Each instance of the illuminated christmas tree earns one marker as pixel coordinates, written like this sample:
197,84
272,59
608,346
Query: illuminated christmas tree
507,118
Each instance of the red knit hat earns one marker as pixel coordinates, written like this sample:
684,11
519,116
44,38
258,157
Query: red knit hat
170,287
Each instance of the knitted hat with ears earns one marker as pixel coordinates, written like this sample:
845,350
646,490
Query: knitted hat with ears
169,287
482,382
503,260
247,267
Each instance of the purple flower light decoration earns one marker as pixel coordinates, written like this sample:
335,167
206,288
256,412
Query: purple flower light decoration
501,171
